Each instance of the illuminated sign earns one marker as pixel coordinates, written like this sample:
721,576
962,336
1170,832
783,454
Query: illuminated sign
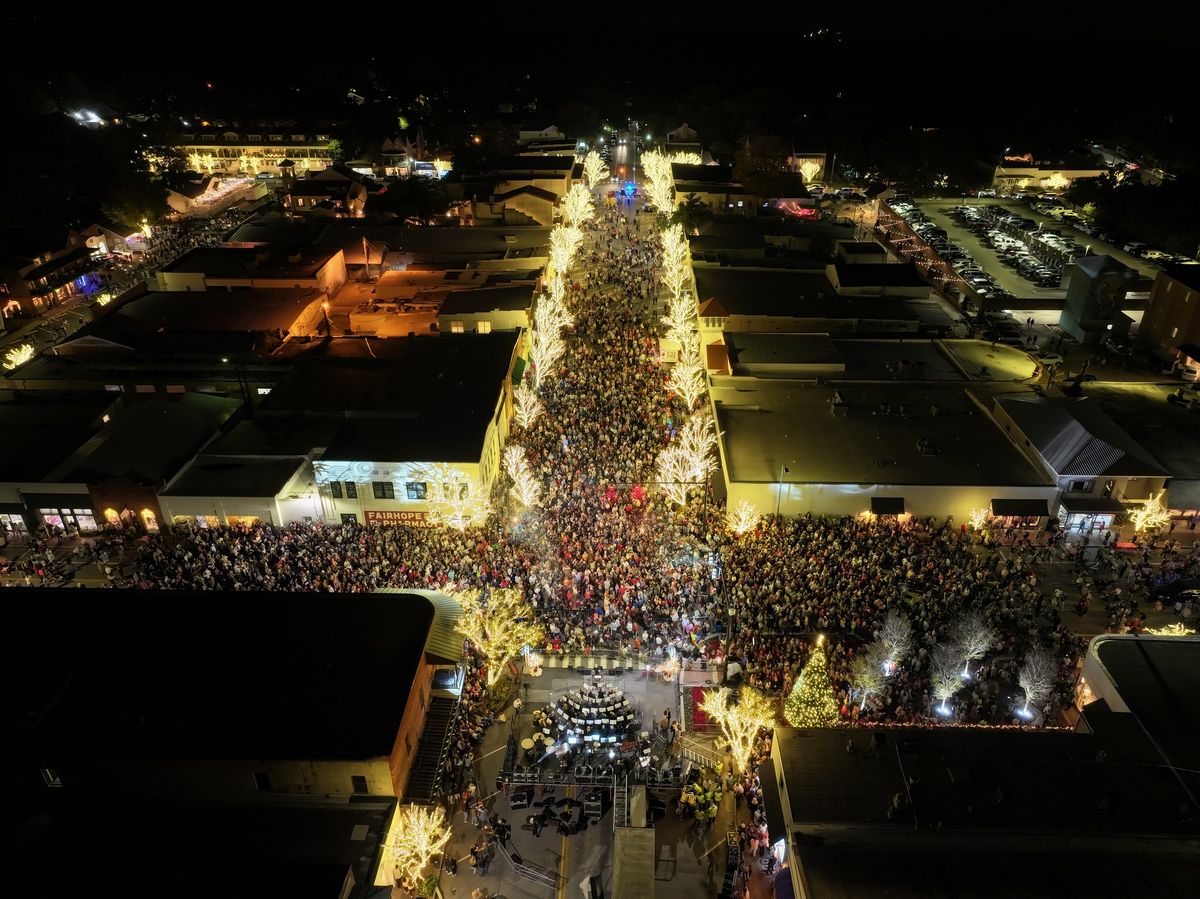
1028,157
412,519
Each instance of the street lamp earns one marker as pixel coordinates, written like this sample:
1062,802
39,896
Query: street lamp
783,469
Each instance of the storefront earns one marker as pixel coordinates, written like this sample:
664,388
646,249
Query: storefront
1183,498
12,519
887,505
1019,513
68,512
1086,514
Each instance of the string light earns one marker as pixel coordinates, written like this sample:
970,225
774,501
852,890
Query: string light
742,518
1175,629
525,485
1150,516
811,703
526,405
740,721
18,356
594,169
420,832
500,625
578,206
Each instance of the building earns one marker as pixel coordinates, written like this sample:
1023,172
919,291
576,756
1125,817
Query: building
860,252
877,279
537,135
913,813
553,174
30,286
715,186
810,165
1100,471
260,268
486,309
400,248
761,300
525,205
1171,325
868,448
255,152
1024,174
337,191
1095,296
310,694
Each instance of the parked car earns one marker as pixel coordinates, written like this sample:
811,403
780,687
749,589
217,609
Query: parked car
1119,344
1135,248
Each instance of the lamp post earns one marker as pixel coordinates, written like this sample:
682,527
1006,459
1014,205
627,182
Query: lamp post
783,469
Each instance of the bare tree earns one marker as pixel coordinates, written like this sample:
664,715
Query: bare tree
896,635
1036,676
944,678
974,637
867,675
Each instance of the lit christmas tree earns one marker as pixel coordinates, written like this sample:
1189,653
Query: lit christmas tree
810,704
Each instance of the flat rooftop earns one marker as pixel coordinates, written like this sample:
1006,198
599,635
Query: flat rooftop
287,676
878,274
507,299
442,246
770,424
790,293
206,310
213,475
43,430
254,262
752,348
1172,434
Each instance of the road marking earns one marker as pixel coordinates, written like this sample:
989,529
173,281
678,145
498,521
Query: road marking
493,752
564,854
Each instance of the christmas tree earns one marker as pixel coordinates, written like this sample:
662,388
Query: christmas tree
810,704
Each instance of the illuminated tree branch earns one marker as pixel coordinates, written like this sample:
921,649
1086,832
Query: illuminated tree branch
18,356
974,637
419,833
526,405
499,624
595,169
455,499
1151,515
578,206
685,158
1036,676
743,518
525,485
896,635
740,720
944,678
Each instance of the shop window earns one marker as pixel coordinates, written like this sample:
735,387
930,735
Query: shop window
335,489
1108,488
456,327
359,783
485,327
149,520
416,489
351,490
1083,486
383,489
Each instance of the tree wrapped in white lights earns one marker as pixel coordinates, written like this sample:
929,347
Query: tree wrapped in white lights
546,345
499,624
978,518
564,241
595,169
974,637
809,169
944,678
867,677
740,718
1151,515
680,317
419,833
672,471
659,181
18,356
682,157
1036,677
578,206
525,486
698,440
455,499
689,376
896,635
526,405
743,517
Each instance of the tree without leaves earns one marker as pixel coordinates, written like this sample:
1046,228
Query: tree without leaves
944,677
867,675
896,635
499,624
974,637
595,169
1037,675
740,721
526,405
525,485
419,833
578,206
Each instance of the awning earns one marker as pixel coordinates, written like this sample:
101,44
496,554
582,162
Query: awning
776,829
1023,507
1183,493
1092,504
518,370
887,505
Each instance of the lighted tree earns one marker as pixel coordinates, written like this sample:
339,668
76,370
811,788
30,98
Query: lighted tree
18,356
659,181
499,624
1175,629
682,157
944,677
1058,182
689,376
526,405
1151,515
698,440
978,518
546,345
525,486
809,169
672,470
974,637
564,241
741,717
681,313
419,833
867,671
595,169
455,499
103,299
743,517
1036,677
578,206
896,634
811,702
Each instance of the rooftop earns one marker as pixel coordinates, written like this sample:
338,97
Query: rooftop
213,475
749,348
788,293
1187,274
206,310
434,245
486,299
770,424
1076,437
878,274
705,174
257,262
42,430
1142,409
281,687
554,164
79,254
861,247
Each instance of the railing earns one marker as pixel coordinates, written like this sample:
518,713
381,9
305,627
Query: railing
530,871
